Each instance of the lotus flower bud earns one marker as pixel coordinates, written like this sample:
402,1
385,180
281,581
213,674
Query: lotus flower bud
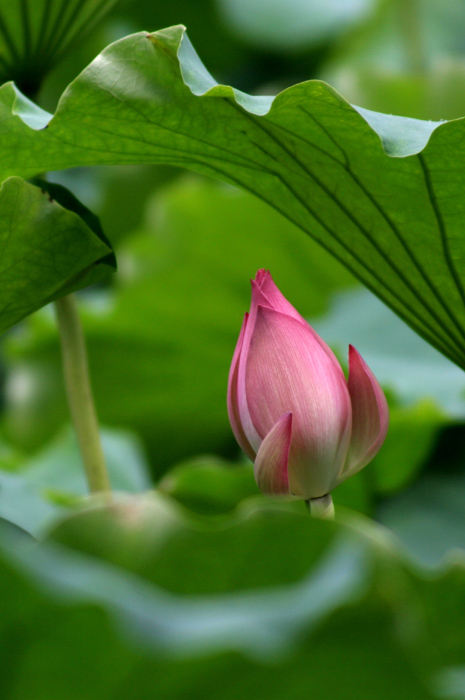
305,427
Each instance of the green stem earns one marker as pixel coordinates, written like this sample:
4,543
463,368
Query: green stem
321,507
79,393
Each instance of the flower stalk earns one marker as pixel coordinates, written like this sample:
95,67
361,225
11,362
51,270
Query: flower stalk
79,393
321,507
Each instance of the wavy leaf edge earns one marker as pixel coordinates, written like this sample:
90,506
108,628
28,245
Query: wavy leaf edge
201,83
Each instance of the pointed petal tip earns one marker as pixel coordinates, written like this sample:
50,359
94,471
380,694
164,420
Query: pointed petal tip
370,413
260,282
261,276
265,292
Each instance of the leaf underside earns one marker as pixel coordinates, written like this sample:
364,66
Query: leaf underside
46,251
383,194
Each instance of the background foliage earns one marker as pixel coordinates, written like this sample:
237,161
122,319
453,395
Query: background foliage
201,587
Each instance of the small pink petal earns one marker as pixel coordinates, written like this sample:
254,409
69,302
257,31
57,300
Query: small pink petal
233,403
370,414
271,463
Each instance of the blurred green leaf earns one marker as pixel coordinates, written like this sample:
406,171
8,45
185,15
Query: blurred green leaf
179,552
292,24
367,186
160,350
209,485
272,601
47,251
450,683
356,493
412,433
429,517
53,480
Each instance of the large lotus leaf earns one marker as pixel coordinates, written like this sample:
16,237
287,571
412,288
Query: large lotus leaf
46,251
384,194
269,601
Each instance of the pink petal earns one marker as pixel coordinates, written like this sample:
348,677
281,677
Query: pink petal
370,414
266,293
287,370
248,428
233,403
270,466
